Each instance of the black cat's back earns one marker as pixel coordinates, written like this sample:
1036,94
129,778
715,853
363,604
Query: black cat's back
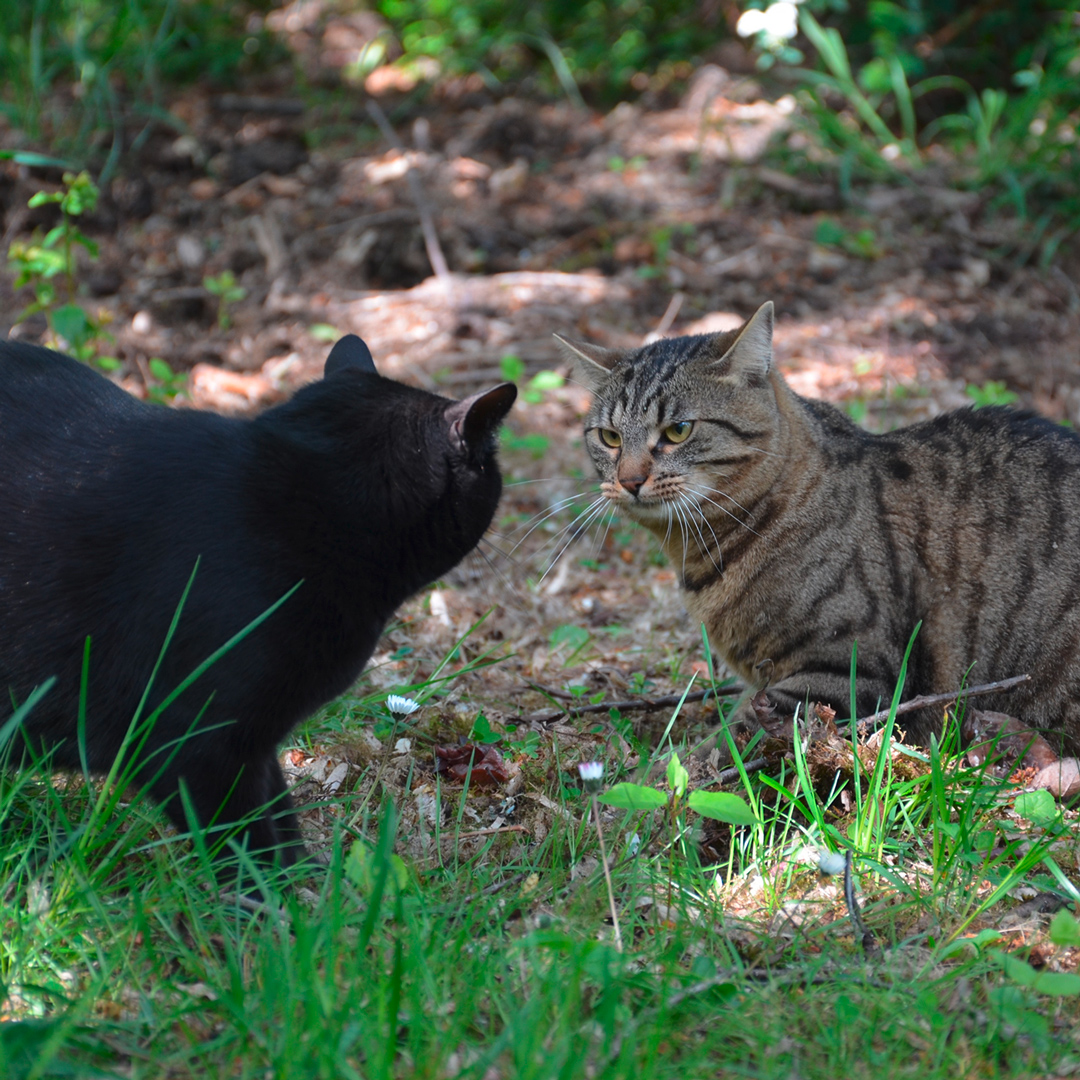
350,497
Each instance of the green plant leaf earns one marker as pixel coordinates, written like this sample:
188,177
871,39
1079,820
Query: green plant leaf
633,797
568,633
512,367
323,332
362,872
677,776
71,323
546,380
1051,983
35,161
721,806
160,369
1065,929
1036,806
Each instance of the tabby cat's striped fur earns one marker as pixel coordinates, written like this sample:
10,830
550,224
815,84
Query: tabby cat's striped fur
796,533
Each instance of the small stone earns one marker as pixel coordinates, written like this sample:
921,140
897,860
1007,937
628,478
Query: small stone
190,252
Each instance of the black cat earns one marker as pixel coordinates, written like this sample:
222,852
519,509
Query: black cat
360,490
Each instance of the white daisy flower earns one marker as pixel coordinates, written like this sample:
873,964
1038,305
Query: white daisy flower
777,23
401,706
592,773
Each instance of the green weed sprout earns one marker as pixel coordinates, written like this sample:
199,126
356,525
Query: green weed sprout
167,384
228,292
42,261
592,779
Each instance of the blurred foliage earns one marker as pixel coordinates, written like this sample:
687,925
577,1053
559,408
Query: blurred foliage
997,87
882,81
116,56
611,47
982,42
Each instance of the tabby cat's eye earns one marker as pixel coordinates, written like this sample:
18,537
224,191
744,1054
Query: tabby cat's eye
610,438
680,432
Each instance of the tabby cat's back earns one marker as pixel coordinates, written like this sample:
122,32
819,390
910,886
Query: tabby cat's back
796,533
359,490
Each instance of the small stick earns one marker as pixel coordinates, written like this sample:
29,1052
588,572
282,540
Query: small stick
485,832
924,701
427,220
727,775
627,706
869,943
669,316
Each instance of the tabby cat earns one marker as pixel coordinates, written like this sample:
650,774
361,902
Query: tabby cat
796,533
359,490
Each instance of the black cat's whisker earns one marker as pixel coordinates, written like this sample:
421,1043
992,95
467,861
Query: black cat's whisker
589,517
504,580
507,555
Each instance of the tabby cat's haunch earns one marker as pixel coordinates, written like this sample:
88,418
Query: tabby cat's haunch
796,533
360,489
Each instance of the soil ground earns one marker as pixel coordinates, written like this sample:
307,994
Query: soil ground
662,217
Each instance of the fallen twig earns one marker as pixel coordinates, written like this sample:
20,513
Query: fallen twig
625,706
925,701
427,219
869,943
763,975
669,317
484,832
727,775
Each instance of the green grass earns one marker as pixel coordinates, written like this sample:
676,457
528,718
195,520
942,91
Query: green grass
119,956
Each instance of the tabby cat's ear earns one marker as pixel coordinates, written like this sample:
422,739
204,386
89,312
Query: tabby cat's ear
750,355
593,363
349,352
475,419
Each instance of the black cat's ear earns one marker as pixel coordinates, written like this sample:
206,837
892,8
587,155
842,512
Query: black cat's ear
349,352
475,419
749,356
592,363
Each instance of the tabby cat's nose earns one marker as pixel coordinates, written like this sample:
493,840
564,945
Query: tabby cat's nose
632,483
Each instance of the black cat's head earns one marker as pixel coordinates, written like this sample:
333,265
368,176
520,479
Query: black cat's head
421,469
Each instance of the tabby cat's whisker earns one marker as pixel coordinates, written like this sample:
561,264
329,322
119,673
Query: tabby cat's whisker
598,549
583,516
546,515
682,529
703,545
576,524
582,524
716,540
723,495
722,509
538,480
